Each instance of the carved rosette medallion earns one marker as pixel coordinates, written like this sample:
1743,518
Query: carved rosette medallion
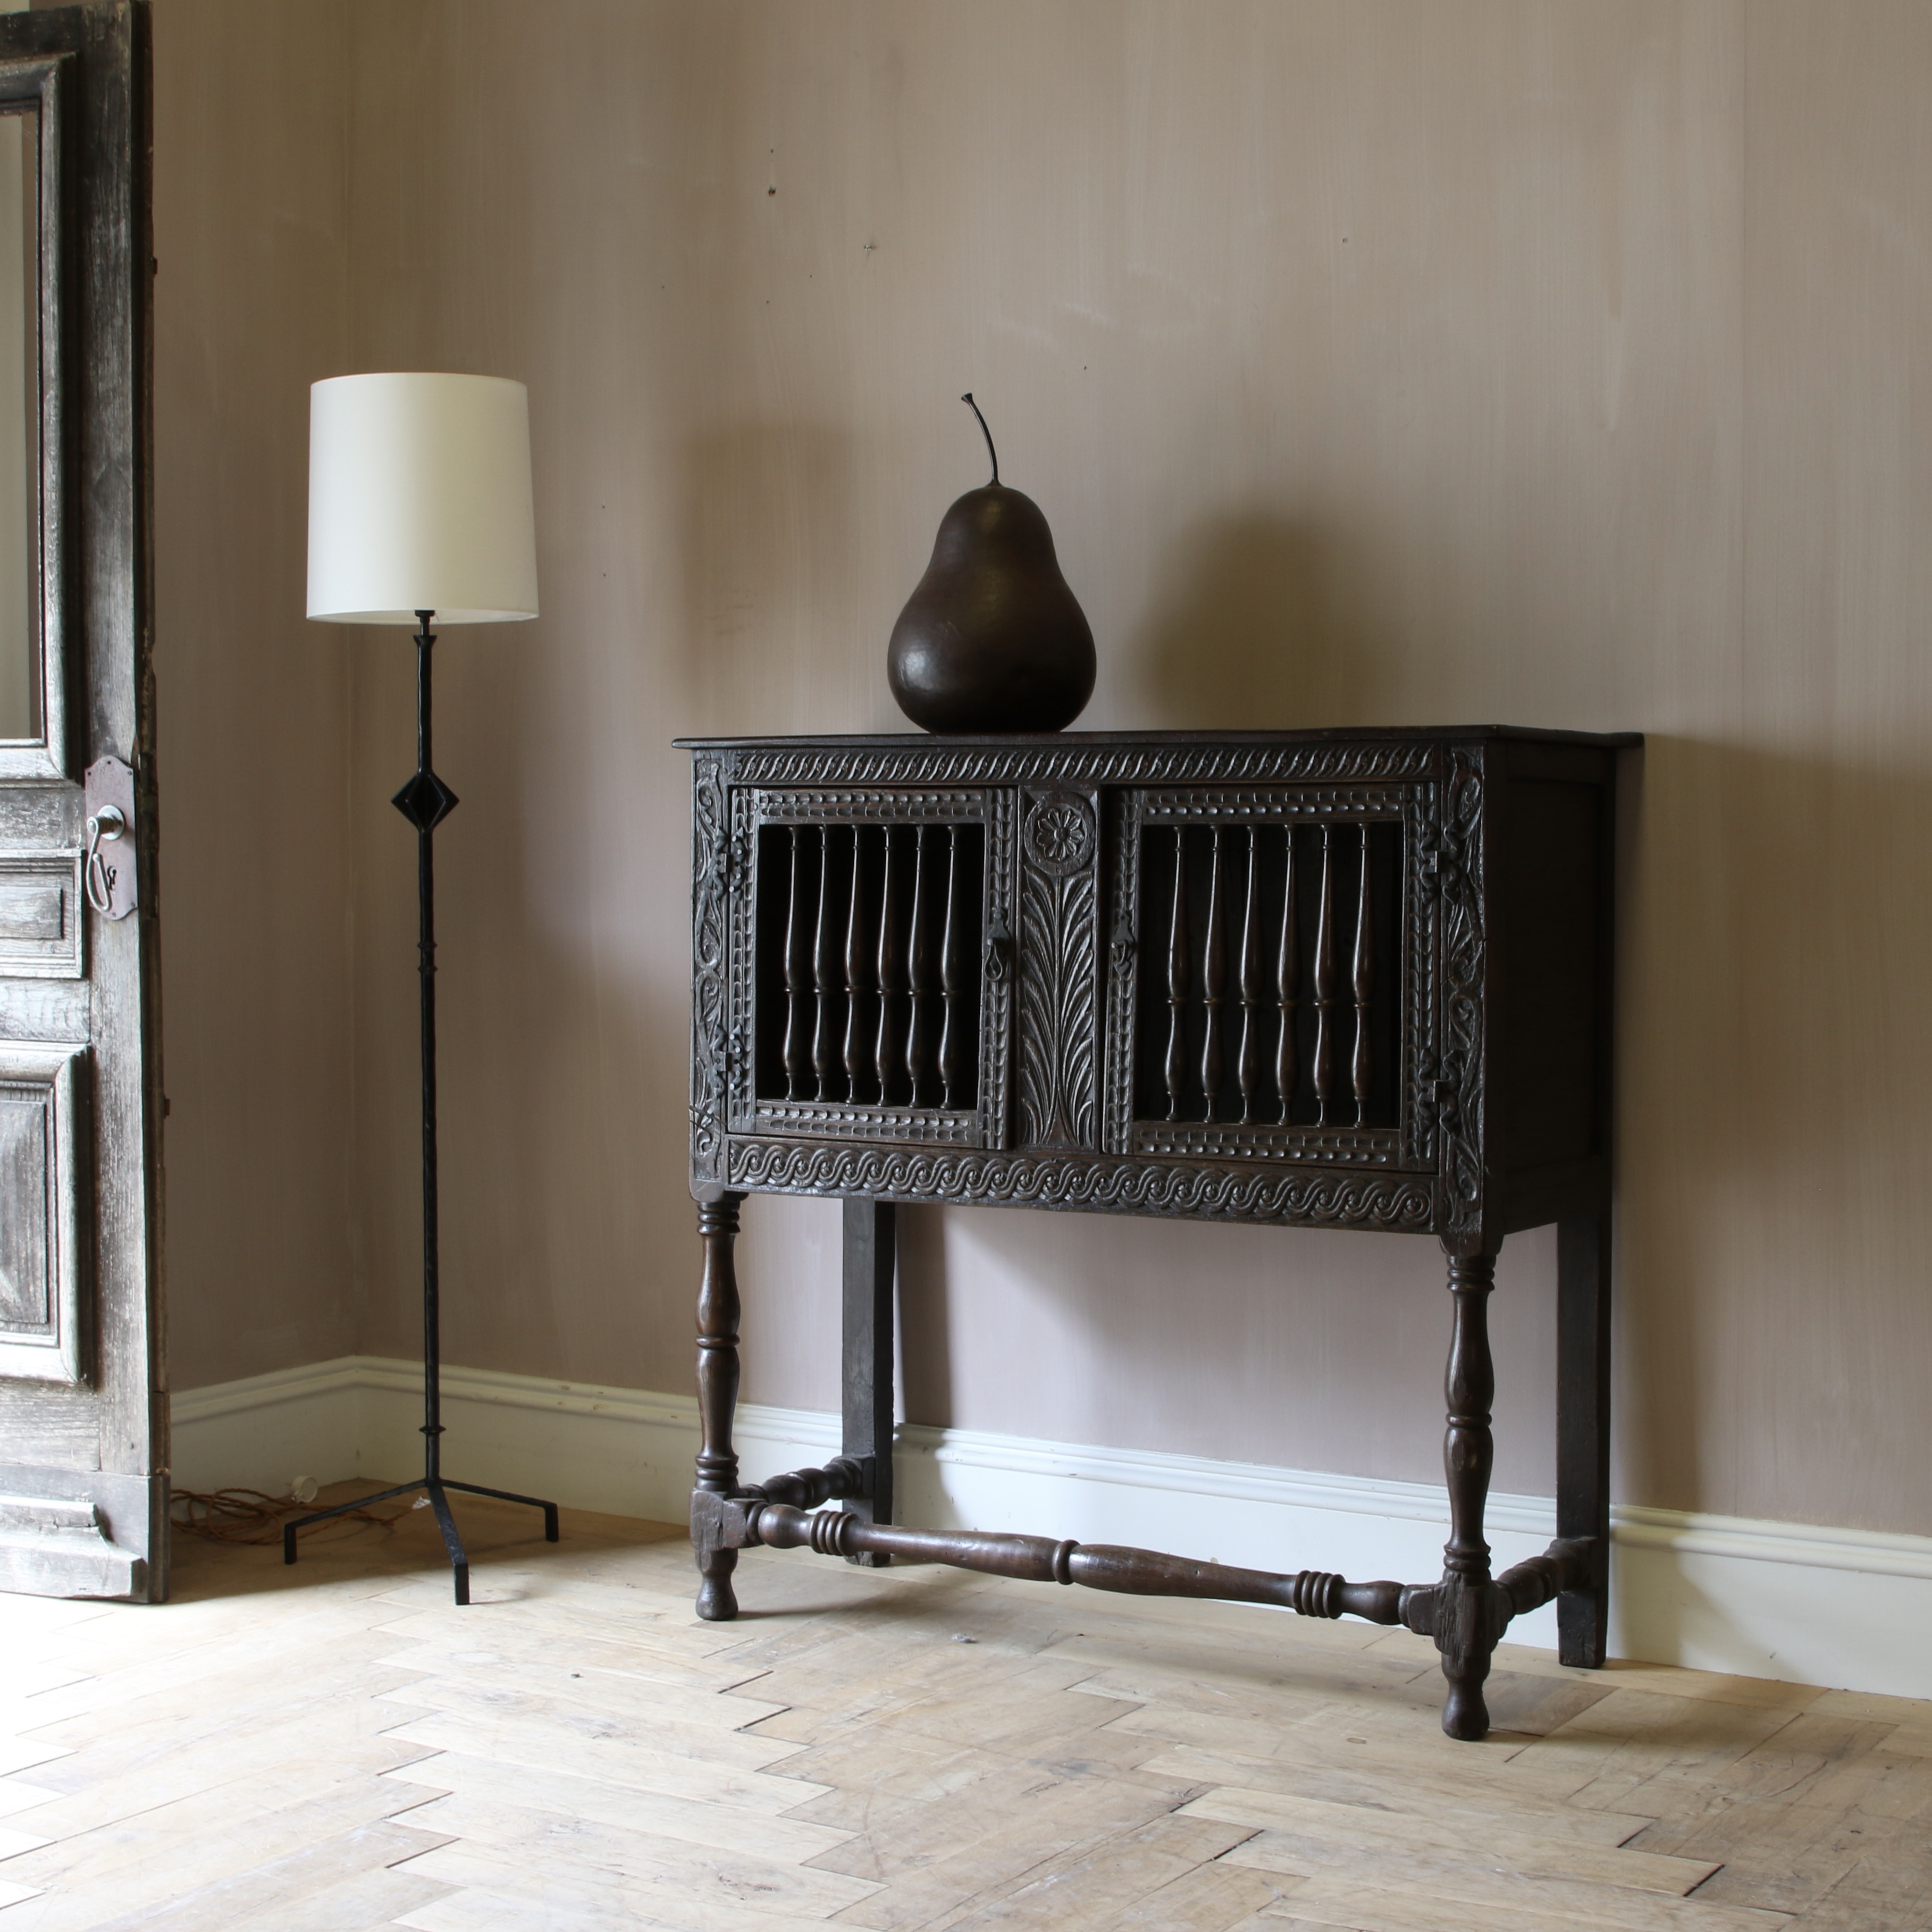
1059,835
1059,986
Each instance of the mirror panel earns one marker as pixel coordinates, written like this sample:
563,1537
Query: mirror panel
19,424
33,488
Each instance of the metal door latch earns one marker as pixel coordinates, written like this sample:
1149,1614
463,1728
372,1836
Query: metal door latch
108,871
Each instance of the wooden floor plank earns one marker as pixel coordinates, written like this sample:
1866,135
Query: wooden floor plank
1212,1897
1459,1836
687,1820
1091,1885
544,1892
671,1732
1412,1895
1423,1792
547,1839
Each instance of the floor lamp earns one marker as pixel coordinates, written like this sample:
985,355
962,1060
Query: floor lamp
419,507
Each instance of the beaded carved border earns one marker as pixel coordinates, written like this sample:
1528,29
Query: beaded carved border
751,807
1408,1146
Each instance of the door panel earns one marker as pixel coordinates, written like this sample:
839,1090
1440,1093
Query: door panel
83,1463
44,1309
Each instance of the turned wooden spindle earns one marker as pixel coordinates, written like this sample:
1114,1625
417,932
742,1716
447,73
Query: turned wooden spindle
952,980
919,1034
797,1051
1469,1387
858,1074
1042,1559
1248,1059
1177,983
892,970
825,989
1325,981
1288,987
1364,977
717,1312
1213,980
806,1489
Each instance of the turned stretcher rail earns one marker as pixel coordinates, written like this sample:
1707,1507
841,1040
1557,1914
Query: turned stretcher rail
1040,1559
781,1513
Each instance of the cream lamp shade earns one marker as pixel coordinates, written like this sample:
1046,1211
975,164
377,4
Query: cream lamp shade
419,499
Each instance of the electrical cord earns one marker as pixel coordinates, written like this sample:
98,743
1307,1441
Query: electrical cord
251,1515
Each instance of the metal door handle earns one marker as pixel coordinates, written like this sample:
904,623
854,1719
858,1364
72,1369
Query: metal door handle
106,824
109,876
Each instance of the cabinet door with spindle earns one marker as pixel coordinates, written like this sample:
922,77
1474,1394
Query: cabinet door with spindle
870,965
1269,975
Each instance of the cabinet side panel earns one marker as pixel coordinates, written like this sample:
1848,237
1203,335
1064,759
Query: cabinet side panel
1547,1091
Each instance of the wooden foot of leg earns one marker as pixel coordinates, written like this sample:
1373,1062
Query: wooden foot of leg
717,1601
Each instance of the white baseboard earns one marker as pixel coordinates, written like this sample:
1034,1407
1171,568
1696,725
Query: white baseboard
1844,1608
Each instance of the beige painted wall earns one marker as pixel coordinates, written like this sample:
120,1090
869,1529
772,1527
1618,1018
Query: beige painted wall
251,305
1439,362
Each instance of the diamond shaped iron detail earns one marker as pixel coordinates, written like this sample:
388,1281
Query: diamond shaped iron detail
425,801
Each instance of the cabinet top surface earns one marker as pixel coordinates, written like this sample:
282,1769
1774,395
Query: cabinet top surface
913,741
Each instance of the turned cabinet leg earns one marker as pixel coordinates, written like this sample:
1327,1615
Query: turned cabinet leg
1465,1619
718,1391
870,1250
1583,1427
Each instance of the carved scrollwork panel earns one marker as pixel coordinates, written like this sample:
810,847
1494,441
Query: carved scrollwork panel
1421,823
1122,974
1058,1012
996,987
711,899
1459,1088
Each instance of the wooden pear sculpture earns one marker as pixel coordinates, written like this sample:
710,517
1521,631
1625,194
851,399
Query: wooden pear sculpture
992,639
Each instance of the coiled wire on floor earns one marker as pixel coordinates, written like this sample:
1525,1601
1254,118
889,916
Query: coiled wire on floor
252,1516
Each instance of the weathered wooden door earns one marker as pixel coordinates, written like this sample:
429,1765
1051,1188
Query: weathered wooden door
83,1420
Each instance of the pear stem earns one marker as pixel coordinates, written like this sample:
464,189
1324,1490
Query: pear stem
967,399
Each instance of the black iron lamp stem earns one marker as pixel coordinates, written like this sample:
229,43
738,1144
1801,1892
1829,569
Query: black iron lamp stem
425,801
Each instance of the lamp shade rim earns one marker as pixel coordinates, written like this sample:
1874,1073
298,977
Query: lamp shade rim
437,618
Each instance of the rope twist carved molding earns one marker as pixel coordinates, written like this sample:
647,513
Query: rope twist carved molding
1085,1181
1119,764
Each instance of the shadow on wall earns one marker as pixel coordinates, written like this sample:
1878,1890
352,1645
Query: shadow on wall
925,1312
769,540
1776,1048
1261,619
561,1167
1776,1051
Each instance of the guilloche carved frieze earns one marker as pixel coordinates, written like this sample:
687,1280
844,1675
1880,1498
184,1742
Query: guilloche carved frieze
1053,1179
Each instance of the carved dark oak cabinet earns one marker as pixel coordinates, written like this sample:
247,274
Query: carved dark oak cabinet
1323,979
